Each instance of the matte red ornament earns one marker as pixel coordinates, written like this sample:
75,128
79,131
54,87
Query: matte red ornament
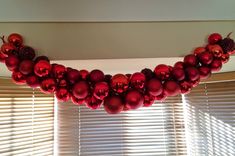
148,100
80,90
119,83
27,53
205,72
42,68
179,64
32,81
12,62
148,73
73,75
62,94
205,58
154,87
26,67
8,49
162,72
84,74
178,74
185,87
225,58
171,88
214,38
59,71
15,39
101,90
113,105
192,73
199,50
77,101
39,58
93,103
18,78
216,65
96,76
190,60
48,86
134,99
2,57
216,50
137,80
161,97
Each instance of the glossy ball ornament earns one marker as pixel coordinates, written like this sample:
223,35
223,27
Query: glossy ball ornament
161,97
148,73
93,103
162,72
15,39
73,75
48,85
119,83
12,62
96,76
42,68
27,53
26,67
199,50
77,101
134,99
101,90
113,105
8,49
39,58
225,58
216,50
32,81
80,90
107,78
205,58
62,94
137,80
190,60
216,65
205,72
171,88
192,73
179,64
185,87
84,74
59,71
154,87
18,78
214,38
178,74
148,100
2,57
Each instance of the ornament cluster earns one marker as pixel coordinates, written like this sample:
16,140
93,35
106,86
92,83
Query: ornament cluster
120,92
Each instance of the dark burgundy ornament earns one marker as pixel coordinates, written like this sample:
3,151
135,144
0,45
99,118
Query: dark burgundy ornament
119,83
84,74
192,73
48,86
178,74
73,75
26,67
59,71
101,90
113,105
15,39
205,58
162,72
134,99
62,94
42,68
214,38
148,100
179,64
8,49
39,58
137,80
32,81
12,62
205,72
77,101
18,78
93,103
107,78
185,87
148,73
154,87
190,60
171,88
26,53
96,76
80,90
199,50
216,65
227,44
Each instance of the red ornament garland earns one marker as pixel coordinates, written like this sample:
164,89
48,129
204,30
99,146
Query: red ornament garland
119,92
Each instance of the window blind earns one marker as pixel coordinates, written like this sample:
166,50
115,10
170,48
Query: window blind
26,121
156,130
210,119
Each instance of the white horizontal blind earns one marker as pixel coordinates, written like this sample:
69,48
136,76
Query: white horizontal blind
26,121
210,111
156,130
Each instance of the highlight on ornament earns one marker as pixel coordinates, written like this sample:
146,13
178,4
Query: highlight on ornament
120,92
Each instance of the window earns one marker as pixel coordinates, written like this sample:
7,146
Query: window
26,120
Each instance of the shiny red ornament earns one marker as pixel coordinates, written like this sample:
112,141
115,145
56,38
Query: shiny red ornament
119,83
62,94
148,100
42,68
84,74
161,97
225,58
77,101
216,50
59,71
12,62
214,38
73,75
18,78
199,50
178,74
32,81
8,49
137,80
190,60
113,105
216,65
27,53
80,90
48,86
101,90
185,87
171,88
39,58
93,103
96,76
162,72
205,58
154,87
205,72
26,67
179,64
2,57
15,39
192,73
134,99
148,73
